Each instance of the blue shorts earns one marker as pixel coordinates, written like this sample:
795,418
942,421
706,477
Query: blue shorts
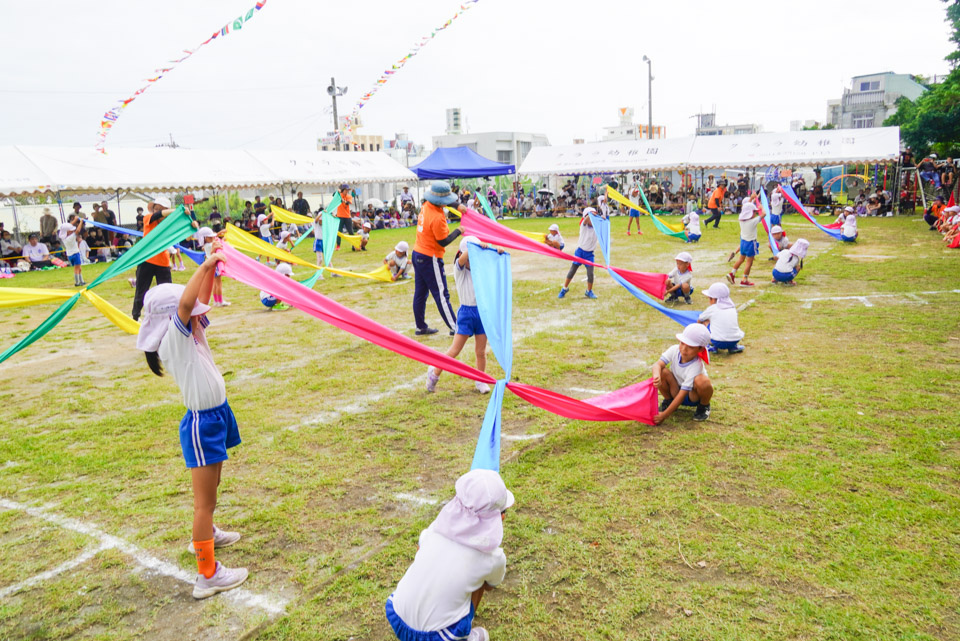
784,277
267,239
749,248
634,213
692,238
773,220
725,344
269,301
318,245
585,255
848,239
75,259
677,293
206,435
459,630
687,402
468,321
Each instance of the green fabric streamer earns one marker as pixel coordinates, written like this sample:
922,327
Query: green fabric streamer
43,328
486,206
645,203
310,282
331,225
334,203
666,230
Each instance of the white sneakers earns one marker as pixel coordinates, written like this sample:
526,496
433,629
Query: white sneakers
222,580
478,634
432,378
483,388
221,539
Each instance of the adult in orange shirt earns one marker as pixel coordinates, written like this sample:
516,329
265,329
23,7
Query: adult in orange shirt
156,267
715,204
433,235
343,212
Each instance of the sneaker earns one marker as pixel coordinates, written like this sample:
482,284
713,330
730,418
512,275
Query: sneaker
746,283
280,307
732,277
665,403
453,333
221,539
426,331
222,580
478,634
132,281
790,283
711,349
702,413
214,304
687,300
432,378
730,257
563,292
628,232
483,388
225,303
736,350
591,295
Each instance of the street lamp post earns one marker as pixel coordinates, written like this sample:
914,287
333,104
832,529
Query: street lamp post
649,96
335,91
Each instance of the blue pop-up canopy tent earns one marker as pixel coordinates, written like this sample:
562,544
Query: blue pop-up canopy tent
459,162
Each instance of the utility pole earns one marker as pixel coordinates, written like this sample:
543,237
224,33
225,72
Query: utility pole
332,90
649,96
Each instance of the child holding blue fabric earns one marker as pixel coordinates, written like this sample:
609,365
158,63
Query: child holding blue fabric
586,245
468,317
458,559
750,216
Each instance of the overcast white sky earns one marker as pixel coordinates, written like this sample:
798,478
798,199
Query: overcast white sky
559,68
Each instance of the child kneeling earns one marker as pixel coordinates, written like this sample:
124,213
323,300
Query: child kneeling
721,319
680,279
272,302
686,381
790,262
458,558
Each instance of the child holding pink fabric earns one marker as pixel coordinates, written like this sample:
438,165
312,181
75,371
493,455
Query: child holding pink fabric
458,558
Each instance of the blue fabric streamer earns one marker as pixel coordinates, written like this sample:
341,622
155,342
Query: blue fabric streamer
195,256
766,210
795,202
493,286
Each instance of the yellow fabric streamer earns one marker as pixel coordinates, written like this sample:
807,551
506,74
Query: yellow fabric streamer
23,296
613,194
248,243
453,211
540,238
286,216
353,240
112,314
671,226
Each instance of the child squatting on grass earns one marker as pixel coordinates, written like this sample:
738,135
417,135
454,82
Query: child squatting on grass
272,302
686,381
173,337
721,319
458,558
468,316
790,262
680,279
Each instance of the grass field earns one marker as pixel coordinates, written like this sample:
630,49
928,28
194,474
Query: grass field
820,501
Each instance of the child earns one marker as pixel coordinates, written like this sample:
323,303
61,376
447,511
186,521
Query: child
399,261
263,224
68,238
468,317
780,240
206,236
749,219
173,336
776,206
585,248
272,302
790,262
286,241
849,233
364,236
458,559
553,238
680,280
175,257
721,319
634,218
318,238
692,222
686,382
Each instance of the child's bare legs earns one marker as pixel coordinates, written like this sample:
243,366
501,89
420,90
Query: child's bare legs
480,347
205,482
702,390
459,341
743,260
319,258
668,387
685,289
477,595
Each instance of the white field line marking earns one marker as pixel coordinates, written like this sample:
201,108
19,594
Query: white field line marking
522,437
413,498
746,304
82,558
916,298
866,301
403,281
359,404
271,604
588,391
808,302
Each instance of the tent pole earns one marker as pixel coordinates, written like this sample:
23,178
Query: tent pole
60,203
119,223
16,221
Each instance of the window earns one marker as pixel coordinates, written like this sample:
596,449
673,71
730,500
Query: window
504,156
523,148
862,121
870,86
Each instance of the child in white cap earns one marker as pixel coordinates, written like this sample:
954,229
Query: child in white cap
790,262
780,240
458,559
680,279
263,224
468,317
206,236
849,233
692,226
272,302
399,261
586,245
364,236
750,216
69,235
176,259
318,238
721,319
173,337
285,242
686,381
553,237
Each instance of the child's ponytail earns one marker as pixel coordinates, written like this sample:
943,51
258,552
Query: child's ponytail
153,360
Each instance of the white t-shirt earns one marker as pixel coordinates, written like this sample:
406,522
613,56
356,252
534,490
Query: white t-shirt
400,264
555,237
35,253
265,230
776,202
692,221
786,262
676,278
782,243
70,246
849,226
683,372
435,591
588,238
187,356
748,228
317,230
723,323
464,281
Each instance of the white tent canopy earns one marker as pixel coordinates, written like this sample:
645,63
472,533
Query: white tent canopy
795,148
32,170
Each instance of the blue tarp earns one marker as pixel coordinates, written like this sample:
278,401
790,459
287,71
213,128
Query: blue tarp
459,162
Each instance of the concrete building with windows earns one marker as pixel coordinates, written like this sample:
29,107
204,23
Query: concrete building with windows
355,142
871,99
707,126
509,147
628,130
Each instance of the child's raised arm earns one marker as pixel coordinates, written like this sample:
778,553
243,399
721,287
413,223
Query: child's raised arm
200,284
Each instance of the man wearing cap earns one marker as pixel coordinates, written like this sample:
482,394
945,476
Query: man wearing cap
406,197
157,267
343,212
433,235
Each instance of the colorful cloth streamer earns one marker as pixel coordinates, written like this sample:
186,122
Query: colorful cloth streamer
286,216
195,256
675,231
613,194
352,119
791,197
110,118
334,203
24,296
487,209
174,228
766,210
331,226
489,231
634,403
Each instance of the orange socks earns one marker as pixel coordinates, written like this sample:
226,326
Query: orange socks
206,564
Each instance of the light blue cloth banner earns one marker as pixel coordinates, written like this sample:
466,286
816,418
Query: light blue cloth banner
493,286
602,227
310,282
195,256
766,210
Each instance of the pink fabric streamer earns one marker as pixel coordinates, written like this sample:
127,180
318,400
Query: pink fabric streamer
634,403
475,224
